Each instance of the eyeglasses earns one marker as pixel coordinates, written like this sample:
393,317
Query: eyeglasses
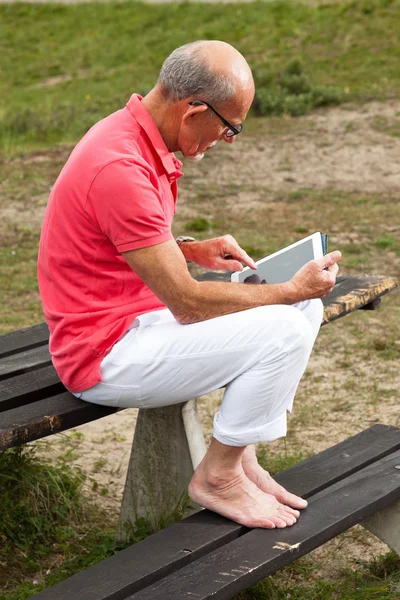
232,129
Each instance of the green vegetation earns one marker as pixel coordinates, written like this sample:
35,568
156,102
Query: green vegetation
59,75
199,224
291,91
44,516
374,581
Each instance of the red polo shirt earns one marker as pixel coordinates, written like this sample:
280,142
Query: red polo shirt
117,192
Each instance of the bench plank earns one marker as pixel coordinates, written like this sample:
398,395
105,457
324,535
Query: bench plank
260,553
29,387
173,548
24,339
45,417
340,460
350,293
25,361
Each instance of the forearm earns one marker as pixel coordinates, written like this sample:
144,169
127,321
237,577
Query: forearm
163,269
208,299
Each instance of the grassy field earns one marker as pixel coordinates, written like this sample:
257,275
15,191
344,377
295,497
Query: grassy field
64,67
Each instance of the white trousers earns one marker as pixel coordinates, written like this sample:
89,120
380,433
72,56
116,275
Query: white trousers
258,355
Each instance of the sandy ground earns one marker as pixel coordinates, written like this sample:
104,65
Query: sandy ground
344,148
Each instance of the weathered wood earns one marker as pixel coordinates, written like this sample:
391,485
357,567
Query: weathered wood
142,564
194,537
45,417
260,553
385,524
24,339
29,387
350,293
341,460
159,470
25,361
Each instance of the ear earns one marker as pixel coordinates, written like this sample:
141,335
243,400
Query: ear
192,110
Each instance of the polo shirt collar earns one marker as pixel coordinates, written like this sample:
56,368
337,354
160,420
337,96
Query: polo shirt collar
170,163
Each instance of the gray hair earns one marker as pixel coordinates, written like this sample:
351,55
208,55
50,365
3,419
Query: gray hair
185,73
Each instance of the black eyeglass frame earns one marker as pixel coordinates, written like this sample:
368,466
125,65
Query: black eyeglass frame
235,129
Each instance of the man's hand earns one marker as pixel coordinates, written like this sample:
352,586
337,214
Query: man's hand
317,278
220,254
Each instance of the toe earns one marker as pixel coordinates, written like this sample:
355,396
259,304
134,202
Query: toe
291,511
292,500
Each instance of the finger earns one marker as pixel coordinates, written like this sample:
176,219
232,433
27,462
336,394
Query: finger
334,269
232,247
248,261
328,260
231,265
227,264
241,255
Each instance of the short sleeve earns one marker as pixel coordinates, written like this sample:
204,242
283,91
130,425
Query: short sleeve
128,206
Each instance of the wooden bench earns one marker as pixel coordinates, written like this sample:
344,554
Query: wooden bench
168,444
207,556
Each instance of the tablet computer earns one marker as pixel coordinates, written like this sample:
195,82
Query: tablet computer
282,265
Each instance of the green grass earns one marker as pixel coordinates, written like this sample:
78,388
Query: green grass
48,530
60,73
378,580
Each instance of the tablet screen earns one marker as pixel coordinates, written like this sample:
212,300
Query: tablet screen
282,265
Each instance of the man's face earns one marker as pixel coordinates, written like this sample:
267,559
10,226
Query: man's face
202,129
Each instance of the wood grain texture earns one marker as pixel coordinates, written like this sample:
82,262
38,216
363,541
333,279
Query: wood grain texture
24,361
146,562
352,293
24,339
45,417
29,387
343,459
260,553
173,548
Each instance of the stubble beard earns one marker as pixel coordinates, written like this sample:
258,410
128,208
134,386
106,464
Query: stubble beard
196,157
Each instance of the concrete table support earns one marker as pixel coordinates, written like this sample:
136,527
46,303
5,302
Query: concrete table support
386,526
161,465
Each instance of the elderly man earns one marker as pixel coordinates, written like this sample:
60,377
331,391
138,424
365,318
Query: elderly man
131,328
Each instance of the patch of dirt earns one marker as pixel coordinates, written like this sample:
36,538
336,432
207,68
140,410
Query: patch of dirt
341,149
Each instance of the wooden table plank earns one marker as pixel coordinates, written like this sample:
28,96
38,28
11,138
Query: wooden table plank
343,459
260,553
141,564
24,362
350,293
45,417
24,339
29,387
173,548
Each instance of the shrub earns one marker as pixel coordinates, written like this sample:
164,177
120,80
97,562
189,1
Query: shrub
290,91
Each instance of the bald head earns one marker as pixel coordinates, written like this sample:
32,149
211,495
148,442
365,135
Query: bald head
212,71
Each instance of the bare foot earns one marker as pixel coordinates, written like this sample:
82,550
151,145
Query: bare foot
237,498
263,480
